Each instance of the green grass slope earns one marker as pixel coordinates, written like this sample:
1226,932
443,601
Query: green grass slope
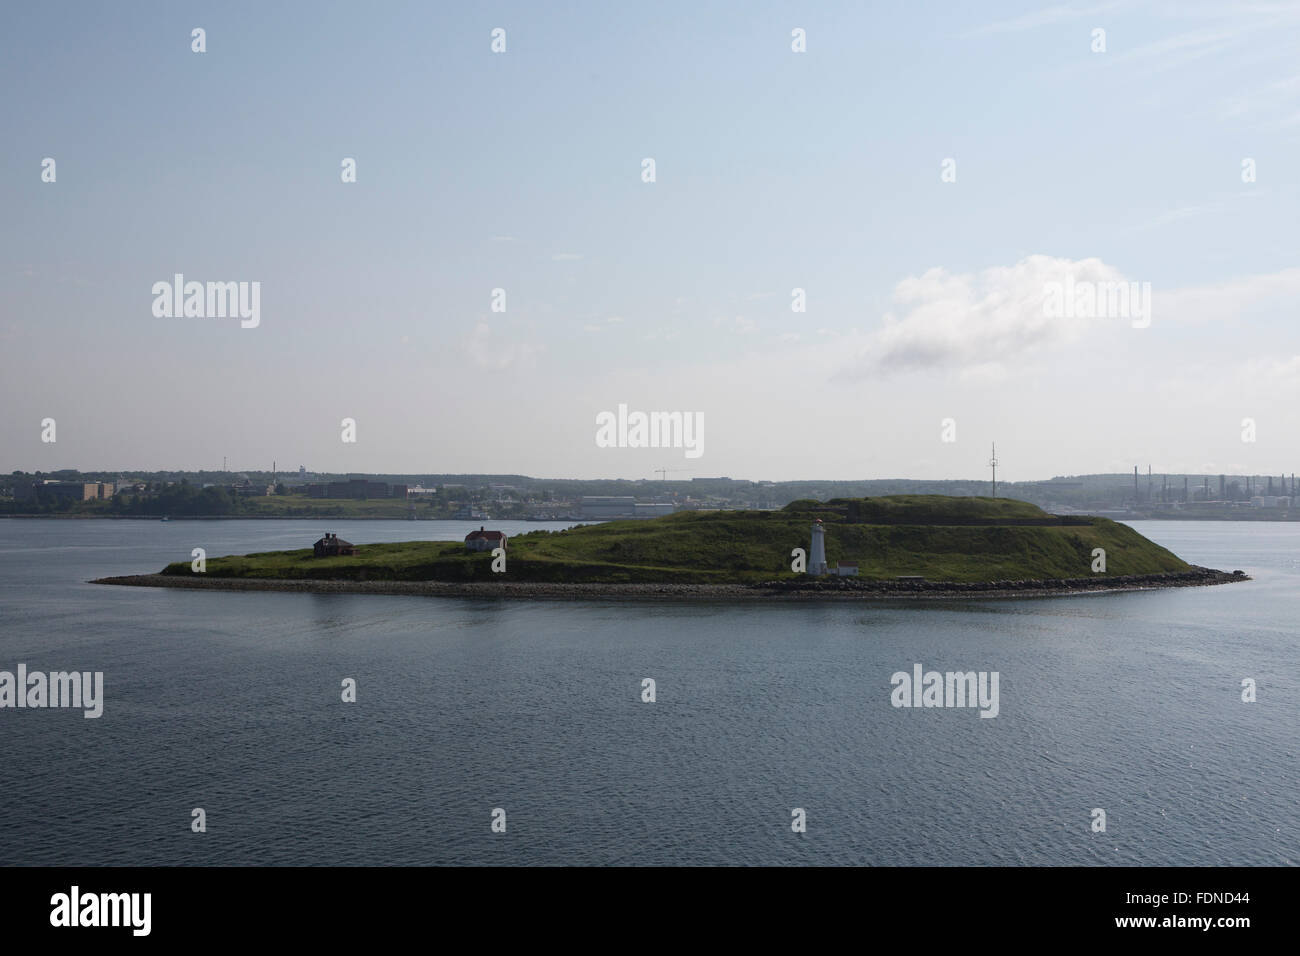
937,537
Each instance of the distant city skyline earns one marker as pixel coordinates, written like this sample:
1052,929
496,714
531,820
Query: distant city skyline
1144,475
996,231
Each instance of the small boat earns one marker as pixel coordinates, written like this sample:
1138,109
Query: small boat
164,518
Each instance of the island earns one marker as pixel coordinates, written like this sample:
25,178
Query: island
897,546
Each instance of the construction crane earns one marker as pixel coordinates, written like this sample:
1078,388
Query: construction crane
663,472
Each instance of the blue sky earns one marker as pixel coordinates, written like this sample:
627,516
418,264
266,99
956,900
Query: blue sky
775,170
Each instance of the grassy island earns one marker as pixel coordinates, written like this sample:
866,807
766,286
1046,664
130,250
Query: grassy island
938,538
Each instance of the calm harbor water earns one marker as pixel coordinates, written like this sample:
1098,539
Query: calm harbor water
231,702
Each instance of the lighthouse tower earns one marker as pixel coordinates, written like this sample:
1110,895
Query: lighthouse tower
817,556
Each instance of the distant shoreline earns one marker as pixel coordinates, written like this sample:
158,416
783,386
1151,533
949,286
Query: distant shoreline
811,590
1268,519
316,518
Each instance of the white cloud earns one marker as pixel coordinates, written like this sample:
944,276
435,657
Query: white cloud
976,322
1043,17
1243,104
987,373
1273,372
739,323
1227,301
488,351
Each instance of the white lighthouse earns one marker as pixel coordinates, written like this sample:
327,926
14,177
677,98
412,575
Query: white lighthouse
817,556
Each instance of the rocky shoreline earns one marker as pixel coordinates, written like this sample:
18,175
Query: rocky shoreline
813,589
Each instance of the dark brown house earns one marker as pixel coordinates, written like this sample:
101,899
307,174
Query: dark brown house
484,540
331,546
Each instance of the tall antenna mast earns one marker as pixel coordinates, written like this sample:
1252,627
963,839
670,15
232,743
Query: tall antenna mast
993,463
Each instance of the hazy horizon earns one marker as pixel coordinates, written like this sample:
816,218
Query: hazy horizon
1143,476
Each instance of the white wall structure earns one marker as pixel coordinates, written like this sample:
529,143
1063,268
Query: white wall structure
817,553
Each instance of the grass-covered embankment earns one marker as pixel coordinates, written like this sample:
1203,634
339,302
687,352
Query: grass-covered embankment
937,537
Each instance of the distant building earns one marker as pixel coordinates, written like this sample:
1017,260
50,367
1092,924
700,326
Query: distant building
248,489
1270,501
846,570
76,490
623,506
353,488
484,540
359,488
332,546
608,506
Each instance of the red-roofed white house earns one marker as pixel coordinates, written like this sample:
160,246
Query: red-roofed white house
483,540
